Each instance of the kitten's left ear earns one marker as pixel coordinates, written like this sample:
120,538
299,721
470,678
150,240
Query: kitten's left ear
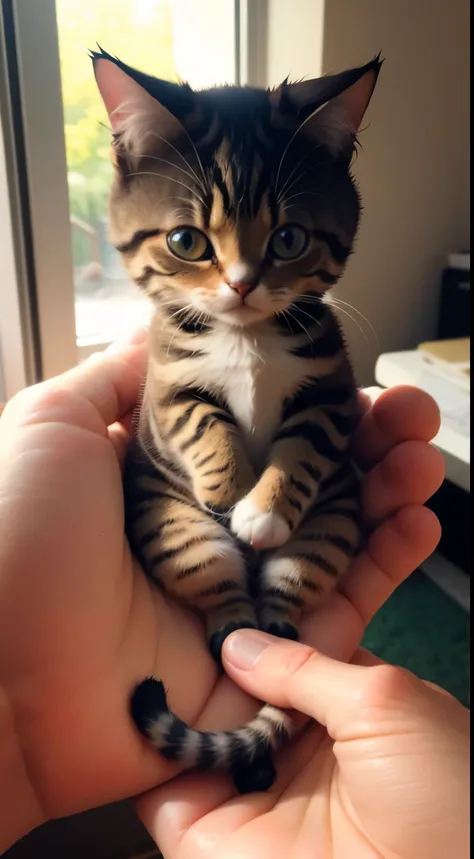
332,107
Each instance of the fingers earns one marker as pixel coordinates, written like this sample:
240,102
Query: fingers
170,811
399,414
394,550
336,694
364,657
291,675
410,473
119,438
109,382
366,398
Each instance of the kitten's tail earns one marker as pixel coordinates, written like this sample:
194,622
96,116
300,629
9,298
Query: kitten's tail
245,753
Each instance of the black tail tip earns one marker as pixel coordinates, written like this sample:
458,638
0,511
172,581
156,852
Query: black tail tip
148,702
257,776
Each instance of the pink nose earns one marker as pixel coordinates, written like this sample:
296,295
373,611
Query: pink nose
242,287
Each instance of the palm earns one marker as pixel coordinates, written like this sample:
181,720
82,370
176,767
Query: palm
80,624
92,627
87,625
303,814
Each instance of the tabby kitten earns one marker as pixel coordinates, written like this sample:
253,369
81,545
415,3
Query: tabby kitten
235,210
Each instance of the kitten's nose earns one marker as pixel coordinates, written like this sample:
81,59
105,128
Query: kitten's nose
243,287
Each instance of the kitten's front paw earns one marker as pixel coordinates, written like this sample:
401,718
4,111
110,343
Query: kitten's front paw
261,530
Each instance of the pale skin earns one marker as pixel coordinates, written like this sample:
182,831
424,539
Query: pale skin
80,625
385,774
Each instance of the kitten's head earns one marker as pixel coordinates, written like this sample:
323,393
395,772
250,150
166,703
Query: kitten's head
233,201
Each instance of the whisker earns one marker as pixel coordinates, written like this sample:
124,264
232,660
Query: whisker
308,298
187,308
181,310
338,300
189,204
157,136
308,154
170,179
176,197
301,325
171,301
310,317
181,213
301,194
341,310
285,315
191,176
298,179
301,125
171,342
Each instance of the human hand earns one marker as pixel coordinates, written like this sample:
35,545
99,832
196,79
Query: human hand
200,815
384,774
79,623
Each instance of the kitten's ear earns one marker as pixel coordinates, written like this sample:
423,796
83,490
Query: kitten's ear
333,107
119,92
141,109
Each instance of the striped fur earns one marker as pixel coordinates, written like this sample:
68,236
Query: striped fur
235,211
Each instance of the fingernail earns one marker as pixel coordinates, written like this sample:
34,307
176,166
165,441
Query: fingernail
245,646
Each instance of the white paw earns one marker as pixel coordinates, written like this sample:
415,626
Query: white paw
261,530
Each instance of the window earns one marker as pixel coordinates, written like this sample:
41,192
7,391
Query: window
146,34
63,293
77,296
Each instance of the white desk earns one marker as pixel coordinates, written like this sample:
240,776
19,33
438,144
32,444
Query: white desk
409,368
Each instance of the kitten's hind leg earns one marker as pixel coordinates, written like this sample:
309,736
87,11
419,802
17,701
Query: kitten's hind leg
299,575
193,558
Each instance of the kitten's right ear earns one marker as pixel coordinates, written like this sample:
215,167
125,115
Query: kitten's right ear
137,119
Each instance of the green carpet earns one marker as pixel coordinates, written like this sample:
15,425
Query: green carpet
423,629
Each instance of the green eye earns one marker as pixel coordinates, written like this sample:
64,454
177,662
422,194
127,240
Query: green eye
189,244
288,242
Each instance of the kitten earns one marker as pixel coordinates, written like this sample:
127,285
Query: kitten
235,210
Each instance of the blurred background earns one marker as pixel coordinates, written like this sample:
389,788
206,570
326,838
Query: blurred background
403,302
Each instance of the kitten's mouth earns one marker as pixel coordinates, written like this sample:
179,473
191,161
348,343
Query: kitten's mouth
242,314
234,310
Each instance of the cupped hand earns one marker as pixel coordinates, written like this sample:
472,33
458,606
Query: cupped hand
79,623
383,775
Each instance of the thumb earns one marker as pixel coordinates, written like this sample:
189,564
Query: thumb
294,676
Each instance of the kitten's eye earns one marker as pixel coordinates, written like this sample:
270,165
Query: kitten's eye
190,244
288,243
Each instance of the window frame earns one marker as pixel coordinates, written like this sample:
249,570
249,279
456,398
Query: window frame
36,61
19,357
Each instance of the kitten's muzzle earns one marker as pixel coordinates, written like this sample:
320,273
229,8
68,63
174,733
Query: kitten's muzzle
243,287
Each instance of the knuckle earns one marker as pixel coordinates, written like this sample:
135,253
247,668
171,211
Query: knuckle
48,402
40,400
25,401
300,661
387,683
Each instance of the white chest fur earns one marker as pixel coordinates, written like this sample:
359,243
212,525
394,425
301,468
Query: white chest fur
254,373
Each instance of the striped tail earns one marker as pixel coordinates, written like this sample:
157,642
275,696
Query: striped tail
245,753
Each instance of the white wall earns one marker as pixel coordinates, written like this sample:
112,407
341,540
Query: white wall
413,169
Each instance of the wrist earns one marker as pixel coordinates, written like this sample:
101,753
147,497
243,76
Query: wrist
20,811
